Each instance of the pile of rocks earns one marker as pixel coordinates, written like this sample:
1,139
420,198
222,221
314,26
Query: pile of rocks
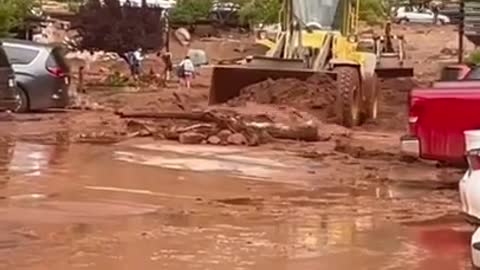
223,137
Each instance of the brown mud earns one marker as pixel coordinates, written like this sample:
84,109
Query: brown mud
316,94
76,206
80,190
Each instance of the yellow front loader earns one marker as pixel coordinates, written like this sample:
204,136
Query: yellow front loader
320,36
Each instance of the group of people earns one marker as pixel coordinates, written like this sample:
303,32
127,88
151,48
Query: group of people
185,69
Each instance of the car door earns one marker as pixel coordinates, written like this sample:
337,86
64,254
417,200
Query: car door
414,16
419,16
425,16
22,58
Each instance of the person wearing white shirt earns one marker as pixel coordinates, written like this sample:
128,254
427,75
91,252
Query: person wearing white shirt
134,61
188,71
138,55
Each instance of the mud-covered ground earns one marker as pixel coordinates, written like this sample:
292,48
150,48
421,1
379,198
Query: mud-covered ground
155,204
80,189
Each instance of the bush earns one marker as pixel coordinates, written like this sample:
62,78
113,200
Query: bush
474,58
260,11
116,79
13,14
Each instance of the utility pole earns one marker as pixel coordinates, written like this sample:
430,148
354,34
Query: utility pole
165,18
461,31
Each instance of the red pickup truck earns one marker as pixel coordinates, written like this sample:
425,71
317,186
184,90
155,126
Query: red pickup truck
439,115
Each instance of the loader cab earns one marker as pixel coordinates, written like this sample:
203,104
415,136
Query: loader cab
336,15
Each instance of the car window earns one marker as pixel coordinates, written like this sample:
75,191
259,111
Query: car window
22,56
474,74
57,59
450,74
3,58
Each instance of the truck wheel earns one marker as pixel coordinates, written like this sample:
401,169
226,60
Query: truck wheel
348,95
372,98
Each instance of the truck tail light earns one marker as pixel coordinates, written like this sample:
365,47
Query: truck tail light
56,72
412,119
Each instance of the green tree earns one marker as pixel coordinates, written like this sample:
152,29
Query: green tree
13,14
474,58
373,11
190,11
7,19
251,11
260,11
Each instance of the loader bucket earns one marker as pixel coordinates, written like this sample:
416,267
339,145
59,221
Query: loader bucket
393,68
227,81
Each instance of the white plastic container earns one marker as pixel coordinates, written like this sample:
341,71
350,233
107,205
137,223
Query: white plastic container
472,139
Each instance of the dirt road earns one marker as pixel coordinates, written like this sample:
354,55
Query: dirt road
80,189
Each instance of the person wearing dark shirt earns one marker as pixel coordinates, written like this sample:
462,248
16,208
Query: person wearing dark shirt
168,65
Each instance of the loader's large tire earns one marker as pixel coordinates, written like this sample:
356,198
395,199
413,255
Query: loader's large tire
348,96
372,98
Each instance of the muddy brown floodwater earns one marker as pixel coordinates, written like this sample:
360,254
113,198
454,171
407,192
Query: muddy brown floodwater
151,205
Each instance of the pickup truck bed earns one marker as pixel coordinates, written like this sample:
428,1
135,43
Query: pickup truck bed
438,116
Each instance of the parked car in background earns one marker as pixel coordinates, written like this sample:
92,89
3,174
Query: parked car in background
469,189
41,74
439,115
452,11
225,13
8,93
416,15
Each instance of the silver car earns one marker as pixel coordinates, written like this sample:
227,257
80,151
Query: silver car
41,73
415,15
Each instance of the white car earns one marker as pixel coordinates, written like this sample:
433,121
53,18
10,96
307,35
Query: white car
469,188
414,15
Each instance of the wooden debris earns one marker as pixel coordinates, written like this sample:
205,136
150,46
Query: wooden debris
224,124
